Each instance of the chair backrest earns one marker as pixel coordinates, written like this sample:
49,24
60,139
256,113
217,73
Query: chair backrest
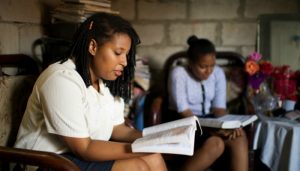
233,66
52,49
15,89
14,92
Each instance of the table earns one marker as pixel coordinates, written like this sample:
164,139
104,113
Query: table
278,140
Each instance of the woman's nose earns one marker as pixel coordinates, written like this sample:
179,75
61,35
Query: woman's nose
209,70
124,60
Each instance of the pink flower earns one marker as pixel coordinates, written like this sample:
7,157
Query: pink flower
255,56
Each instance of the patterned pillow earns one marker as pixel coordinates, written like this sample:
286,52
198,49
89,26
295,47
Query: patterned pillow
14,93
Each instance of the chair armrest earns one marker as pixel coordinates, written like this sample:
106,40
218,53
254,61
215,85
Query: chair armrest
37,158
153,107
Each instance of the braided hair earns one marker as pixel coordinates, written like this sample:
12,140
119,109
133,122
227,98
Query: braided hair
199,48
101,27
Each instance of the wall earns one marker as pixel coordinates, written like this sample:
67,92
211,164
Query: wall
163,25
20,25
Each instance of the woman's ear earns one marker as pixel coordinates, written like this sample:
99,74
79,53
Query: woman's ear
93,47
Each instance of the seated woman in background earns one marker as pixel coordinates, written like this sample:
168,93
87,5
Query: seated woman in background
200,89
77,104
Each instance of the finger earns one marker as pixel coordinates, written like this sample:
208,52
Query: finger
234,134
240,131
228,132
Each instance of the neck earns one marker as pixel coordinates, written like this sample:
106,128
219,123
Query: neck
94,80
96,85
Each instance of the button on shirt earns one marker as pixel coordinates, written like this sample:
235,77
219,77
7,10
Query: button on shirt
61,104
186,93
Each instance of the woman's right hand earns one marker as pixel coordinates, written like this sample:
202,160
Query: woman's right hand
227,133
224,133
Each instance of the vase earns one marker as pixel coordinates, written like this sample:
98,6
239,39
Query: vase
288,105
263,100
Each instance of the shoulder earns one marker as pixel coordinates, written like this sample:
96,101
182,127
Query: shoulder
179,70
218,72
61,74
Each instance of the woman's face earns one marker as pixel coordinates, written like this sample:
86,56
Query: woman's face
110,59
203,67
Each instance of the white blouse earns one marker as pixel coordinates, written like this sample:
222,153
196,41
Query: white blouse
186,93
60,104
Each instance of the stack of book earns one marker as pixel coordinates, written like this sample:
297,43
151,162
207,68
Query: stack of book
142,74
77,11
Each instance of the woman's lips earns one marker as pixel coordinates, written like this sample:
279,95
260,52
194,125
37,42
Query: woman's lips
118,72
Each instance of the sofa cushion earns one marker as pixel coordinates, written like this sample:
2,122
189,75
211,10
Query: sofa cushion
14,92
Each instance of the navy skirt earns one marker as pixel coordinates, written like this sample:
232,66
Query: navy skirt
89,166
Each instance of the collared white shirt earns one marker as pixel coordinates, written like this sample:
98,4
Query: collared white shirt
61,104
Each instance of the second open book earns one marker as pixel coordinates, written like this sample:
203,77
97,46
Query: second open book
229,121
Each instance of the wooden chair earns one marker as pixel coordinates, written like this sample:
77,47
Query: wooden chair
15,90
233,65
156,103
52,49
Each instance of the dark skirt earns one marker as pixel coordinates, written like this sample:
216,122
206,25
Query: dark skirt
86,165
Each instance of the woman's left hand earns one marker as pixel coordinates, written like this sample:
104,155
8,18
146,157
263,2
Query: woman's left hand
235,133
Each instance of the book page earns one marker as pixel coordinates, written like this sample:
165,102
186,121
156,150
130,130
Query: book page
173,135
229,121
169,125
243,119
217,123
175,148
175,141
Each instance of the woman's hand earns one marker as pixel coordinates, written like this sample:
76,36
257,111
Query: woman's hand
235,133
224,133
229,134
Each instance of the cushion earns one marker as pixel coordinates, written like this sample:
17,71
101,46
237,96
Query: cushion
14,93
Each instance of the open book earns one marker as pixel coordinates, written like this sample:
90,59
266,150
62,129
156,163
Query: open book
293,115
175,137
229,121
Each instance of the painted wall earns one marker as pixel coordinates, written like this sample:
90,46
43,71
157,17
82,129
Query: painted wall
163,25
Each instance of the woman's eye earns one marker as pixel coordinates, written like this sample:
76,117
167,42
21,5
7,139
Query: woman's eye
202,66
206,66
118,53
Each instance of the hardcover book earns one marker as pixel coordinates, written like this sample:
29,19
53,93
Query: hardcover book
229,121
175,137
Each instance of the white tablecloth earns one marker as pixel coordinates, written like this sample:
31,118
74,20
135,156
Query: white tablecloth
279,142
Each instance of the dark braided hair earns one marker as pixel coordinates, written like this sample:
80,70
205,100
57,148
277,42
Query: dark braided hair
199,48
101,27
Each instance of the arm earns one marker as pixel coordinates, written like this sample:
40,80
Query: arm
64,117
177,90
219,106
124,133
95,150
219,111
219,101
186,113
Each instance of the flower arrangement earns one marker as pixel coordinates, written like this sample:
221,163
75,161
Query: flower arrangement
258,70
280,80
